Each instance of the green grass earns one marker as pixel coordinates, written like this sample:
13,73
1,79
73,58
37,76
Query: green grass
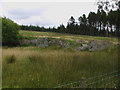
39,68
36,34
35,67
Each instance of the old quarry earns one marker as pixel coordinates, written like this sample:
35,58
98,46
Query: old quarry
78,45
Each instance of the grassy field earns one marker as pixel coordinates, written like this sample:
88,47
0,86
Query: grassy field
35,67
35,34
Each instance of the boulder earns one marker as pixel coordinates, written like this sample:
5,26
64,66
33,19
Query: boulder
93,45
85,46
79,48
43,42
97,45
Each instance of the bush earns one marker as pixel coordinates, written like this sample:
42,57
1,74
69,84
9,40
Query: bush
10,35
11,59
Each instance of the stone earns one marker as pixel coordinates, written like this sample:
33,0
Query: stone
85,46
79,48
97,45
63,43
92,45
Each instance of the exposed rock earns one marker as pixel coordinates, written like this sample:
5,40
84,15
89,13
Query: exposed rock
79,48
92,45
96,45
63,43
85,46
52,42
44,42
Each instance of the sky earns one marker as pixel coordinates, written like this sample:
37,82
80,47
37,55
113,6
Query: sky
47,14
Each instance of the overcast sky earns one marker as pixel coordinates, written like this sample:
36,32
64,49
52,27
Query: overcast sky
45,13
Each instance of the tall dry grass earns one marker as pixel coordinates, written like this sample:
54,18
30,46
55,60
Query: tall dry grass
48,68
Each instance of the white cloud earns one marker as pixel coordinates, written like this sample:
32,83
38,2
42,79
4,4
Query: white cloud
48,0
0,9
46,14
35,20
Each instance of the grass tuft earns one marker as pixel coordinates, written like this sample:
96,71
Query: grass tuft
11,59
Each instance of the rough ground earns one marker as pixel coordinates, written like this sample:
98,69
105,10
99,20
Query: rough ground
79,45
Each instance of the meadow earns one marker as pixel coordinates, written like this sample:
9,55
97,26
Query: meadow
35,67
35,34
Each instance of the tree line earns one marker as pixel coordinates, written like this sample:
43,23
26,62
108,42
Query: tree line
103,23
106,23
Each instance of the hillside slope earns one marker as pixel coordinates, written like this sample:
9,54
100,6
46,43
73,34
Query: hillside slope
76,42
36,34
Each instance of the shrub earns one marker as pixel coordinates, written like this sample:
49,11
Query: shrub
10,35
